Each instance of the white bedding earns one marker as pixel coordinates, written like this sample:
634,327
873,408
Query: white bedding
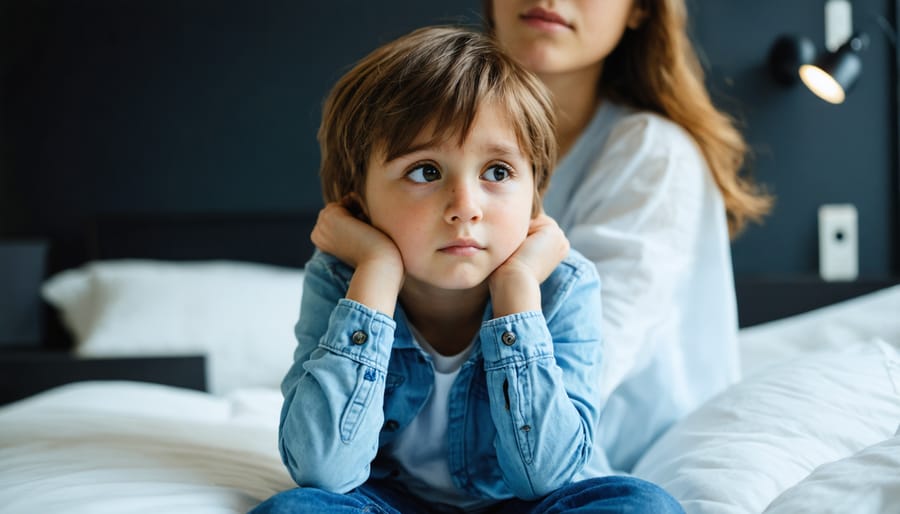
811,428
743,448
864,482
128,447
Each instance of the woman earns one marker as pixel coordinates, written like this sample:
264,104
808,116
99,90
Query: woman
648,188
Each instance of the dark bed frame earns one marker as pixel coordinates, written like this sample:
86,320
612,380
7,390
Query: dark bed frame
282,239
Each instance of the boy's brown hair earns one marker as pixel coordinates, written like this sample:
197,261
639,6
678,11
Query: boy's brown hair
435,77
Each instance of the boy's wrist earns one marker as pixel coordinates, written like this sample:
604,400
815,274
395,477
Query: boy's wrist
376,283
513,291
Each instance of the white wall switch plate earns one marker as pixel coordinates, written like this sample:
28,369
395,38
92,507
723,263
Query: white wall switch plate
838,23
838,242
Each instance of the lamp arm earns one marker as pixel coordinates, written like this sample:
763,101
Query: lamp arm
886,28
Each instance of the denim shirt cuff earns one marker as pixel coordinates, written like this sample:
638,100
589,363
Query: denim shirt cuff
515,339
360,333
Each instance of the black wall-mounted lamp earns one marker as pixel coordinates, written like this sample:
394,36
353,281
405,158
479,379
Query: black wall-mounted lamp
830,75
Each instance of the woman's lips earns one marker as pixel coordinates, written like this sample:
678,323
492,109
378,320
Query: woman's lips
541,18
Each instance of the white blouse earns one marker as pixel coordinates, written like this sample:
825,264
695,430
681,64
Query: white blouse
635,195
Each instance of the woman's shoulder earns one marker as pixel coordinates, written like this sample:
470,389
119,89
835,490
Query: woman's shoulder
650,132
647,146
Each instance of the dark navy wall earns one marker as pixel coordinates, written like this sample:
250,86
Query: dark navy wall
808,152
176,105
212,105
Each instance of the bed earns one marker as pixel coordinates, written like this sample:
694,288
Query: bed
812,426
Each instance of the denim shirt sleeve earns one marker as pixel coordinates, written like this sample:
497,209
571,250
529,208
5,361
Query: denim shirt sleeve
334,391
543,376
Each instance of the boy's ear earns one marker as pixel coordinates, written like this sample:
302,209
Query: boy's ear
355,203
364,209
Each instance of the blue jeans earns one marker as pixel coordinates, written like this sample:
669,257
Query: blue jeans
612,494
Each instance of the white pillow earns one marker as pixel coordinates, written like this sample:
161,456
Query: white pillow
741,449
240,315
865,483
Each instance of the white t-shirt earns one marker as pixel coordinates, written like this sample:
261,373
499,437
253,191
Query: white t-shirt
635,195
421,448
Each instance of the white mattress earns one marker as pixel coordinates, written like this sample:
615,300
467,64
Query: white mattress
122,447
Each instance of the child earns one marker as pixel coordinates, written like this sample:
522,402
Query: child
448,343
648,188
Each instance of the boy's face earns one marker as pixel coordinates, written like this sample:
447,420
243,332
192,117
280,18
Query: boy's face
455,212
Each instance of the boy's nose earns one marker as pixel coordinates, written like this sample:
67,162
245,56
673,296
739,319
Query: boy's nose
463,204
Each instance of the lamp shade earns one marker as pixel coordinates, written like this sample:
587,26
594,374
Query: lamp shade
834,73
787,54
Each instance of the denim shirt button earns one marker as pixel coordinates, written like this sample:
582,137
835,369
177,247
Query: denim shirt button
391,425
526,428
359,337
508,338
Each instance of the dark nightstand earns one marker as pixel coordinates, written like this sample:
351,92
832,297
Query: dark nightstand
767,298
22,264
27,372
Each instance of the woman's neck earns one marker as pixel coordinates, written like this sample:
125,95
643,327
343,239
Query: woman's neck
448,320
575,96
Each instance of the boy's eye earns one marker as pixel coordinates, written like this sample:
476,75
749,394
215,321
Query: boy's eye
496,173
424,173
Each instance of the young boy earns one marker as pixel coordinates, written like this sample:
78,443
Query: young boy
449,346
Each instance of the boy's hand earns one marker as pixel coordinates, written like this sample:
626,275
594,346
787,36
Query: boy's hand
378,265
349,237
544,248
515,285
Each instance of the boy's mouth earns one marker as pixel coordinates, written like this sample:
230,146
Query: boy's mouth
462,247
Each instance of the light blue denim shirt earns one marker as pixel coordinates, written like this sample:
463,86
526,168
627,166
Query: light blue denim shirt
522,411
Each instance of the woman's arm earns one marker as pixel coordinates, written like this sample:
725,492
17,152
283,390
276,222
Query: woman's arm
642,214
